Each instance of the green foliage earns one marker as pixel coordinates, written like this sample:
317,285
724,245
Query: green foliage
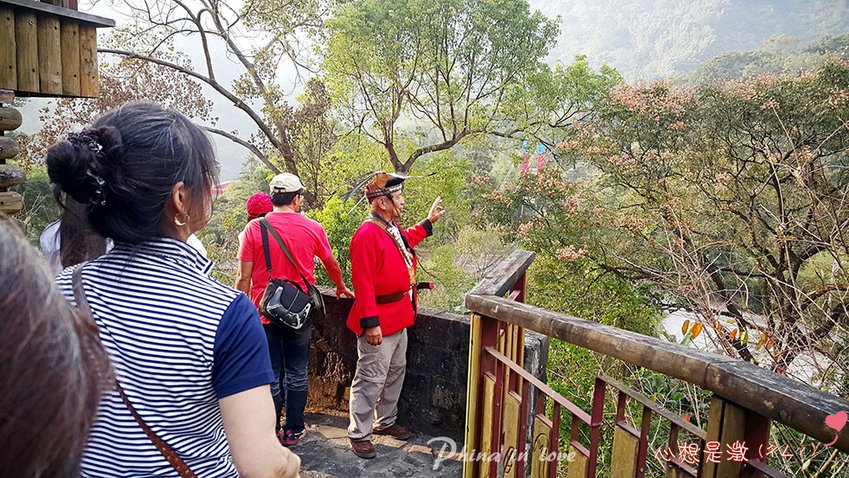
551,99
562,222
445,63
340,220
457,266
40,208
731,193
450,281
229,217
779,55
727,191
444,174
654,39
578,289
351,158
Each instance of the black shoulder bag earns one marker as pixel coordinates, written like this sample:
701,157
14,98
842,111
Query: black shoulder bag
284,302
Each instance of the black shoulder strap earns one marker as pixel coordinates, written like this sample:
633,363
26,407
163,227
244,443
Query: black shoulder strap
265,250
267,228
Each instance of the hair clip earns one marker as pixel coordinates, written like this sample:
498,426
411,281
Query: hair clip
98,197
87,140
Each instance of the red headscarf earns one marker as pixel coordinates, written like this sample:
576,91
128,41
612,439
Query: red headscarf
259,205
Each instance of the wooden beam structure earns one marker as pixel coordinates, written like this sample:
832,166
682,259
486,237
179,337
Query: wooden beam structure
48,50
10,176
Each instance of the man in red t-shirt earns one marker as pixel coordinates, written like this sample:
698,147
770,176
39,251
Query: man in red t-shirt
383,268
288,348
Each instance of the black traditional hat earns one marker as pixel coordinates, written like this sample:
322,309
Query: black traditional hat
384,184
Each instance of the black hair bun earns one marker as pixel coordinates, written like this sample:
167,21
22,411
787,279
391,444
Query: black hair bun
86,164
67,164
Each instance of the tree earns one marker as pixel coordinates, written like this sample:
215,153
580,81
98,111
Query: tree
551,101
444,66
779,55
732,200
261,38
122,82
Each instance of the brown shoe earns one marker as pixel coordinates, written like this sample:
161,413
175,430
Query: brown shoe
395,431
363,448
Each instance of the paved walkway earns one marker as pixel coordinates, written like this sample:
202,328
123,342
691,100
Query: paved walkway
325,452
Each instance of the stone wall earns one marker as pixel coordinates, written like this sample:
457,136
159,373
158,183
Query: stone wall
433,400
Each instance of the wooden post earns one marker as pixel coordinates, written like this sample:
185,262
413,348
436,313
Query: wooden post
8,53
10,202
70,41
88,61
49,55
473,385
10,118
26,38
736,430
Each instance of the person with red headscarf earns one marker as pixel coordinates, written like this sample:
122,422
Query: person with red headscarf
258,206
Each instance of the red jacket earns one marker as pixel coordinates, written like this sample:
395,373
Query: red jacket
377,268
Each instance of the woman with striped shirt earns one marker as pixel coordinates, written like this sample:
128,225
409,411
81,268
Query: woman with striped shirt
189,353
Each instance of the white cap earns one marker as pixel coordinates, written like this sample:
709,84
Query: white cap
285,183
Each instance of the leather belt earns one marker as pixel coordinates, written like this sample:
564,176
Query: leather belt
390,298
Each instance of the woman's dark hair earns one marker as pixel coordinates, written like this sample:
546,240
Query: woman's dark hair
124,167
78,241
284,199
53,368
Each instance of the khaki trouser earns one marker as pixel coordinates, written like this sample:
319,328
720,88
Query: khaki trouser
377,384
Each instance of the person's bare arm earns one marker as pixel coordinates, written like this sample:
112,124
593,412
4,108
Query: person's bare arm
243,277
249,424
335,274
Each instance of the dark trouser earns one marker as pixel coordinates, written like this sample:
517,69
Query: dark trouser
289,350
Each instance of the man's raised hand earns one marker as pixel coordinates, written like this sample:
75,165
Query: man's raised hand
436,210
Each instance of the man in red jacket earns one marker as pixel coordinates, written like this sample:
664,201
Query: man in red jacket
383,268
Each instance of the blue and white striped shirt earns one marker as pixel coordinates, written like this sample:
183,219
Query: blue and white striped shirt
179,341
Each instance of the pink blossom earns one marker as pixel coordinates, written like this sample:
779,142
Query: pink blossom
770,105
524,229
572,203
569,253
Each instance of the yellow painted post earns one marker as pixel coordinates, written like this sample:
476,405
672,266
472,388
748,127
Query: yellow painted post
577,468
624,457
512,410
487,425
472,392
733,427
541,448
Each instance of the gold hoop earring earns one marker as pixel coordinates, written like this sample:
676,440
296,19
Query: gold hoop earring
181,223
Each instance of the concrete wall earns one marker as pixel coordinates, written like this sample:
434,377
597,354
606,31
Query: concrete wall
434,397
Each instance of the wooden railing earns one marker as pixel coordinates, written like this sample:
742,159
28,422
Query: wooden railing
746,399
